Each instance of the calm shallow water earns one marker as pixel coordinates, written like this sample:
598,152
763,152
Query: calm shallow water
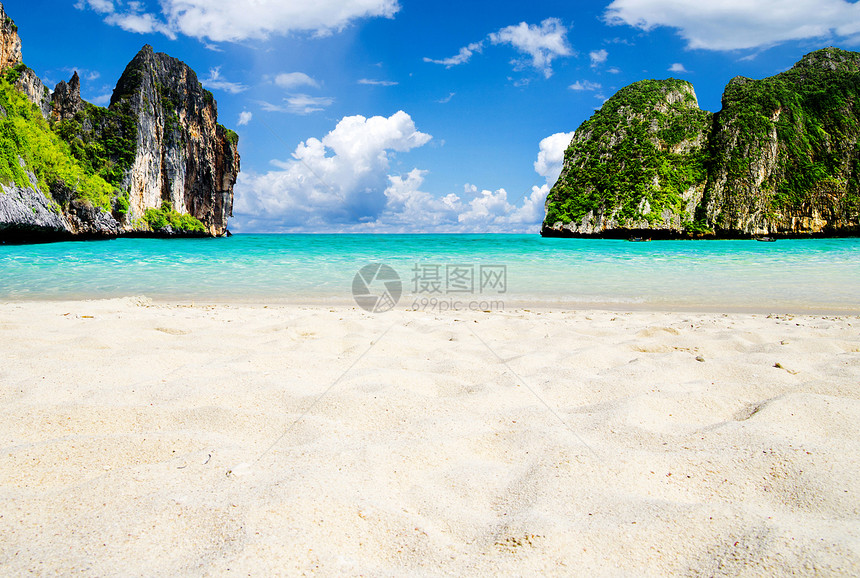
789,275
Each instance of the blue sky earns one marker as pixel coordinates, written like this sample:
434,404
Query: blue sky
419,116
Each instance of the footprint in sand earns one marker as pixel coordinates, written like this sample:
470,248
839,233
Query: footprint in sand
170,331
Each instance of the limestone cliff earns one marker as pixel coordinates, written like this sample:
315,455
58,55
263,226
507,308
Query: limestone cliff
155,161
66,100
183,156
10,42
35,91
780,158
636,164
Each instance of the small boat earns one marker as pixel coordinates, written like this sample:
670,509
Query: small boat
639,239
765,239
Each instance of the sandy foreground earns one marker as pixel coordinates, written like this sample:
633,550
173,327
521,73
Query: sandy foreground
152,439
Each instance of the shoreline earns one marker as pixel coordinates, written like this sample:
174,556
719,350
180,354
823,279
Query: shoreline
623,234
449,305
8,237
142,437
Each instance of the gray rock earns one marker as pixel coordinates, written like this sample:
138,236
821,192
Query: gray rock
66,101
87,220
28,210
36,91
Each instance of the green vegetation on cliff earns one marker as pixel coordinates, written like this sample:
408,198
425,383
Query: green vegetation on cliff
103,140
635,157
813,110
14,73
27,143
81,170
781,157
231,135
159,219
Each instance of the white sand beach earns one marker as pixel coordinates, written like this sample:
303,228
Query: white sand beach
143,438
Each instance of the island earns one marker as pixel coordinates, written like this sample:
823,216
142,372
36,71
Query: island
780,159
155,162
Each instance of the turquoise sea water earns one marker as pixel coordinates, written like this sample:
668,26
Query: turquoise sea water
819,275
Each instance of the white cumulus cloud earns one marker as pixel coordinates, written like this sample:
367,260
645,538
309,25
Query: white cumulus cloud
244,118
342,182
134,20
409,209
339,179
492,212
678,67
231,20
740,24
542,43
551,156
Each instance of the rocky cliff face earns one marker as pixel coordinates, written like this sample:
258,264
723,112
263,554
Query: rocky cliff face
155,161
66,100
780,158
183,158
10,42
10,57
36,92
